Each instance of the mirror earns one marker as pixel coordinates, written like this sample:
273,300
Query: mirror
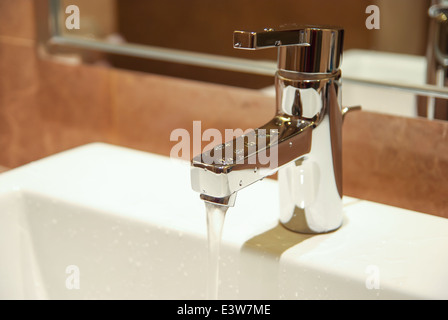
193,39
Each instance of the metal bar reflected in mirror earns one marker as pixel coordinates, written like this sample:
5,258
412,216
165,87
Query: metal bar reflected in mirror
194,40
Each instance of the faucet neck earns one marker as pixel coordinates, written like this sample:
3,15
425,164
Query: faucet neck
301,95
323,55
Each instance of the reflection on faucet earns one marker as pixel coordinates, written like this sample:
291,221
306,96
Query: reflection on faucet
307,139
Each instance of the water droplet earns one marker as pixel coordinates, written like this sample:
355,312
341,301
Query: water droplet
241,183
255,170
290,144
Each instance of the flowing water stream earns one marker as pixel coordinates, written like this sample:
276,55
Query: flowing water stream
215,222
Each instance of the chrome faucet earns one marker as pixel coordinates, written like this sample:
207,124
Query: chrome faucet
437,60
305,134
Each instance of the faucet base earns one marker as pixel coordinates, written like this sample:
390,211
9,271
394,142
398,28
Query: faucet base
299,224
311,187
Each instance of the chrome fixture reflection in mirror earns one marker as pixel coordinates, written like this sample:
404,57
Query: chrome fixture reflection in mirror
437,60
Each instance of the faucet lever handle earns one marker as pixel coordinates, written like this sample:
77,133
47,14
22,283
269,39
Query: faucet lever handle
270,38
306,49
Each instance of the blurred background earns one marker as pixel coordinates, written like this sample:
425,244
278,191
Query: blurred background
206,26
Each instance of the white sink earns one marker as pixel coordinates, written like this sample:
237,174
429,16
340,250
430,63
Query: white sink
126,225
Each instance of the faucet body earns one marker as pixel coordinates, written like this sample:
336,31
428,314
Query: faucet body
311,186
305,134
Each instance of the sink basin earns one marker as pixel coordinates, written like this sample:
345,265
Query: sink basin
106,222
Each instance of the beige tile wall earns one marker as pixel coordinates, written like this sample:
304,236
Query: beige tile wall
47,107
397,161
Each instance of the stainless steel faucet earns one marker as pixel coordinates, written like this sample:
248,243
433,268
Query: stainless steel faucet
437,60
305,136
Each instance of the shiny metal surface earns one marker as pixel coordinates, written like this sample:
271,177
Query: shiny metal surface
307,49
346,110
437,61
305,134
230,167
270,38
311,187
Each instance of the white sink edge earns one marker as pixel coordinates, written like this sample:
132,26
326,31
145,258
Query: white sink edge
342,249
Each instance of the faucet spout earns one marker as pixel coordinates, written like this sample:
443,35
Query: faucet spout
218,174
